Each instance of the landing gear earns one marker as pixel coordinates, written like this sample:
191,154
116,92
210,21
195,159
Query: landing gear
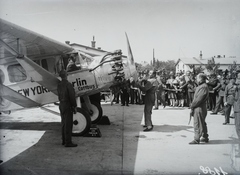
81,122
95,111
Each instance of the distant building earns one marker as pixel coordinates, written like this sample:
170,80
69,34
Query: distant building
185,64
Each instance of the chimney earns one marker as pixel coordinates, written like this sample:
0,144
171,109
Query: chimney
200,55
67,42
93,43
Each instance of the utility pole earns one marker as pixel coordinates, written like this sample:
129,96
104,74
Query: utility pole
154,61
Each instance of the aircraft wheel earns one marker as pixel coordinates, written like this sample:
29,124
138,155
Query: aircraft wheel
96,112
81,122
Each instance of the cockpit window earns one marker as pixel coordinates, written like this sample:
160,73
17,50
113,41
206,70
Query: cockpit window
16,73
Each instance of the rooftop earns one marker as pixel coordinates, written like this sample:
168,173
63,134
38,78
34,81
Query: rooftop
198,61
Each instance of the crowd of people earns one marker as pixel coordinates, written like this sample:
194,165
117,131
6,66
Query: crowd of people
175,90
218,93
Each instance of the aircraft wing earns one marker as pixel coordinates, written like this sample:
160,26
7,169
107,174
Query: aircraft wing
28,43
16,97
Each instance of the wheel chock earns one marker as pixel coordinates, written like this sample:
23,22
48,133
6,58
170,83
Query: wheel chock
93,132
104,121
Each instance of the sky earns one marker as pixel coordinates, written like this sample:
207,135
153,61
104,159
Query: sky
167,29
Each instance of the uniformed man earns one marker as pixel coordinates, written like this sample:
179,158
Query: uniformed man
149,88
68,106
212,84
229,98
221,89
199,110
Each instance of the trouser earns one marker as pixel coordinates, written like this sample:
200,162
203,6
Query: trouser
228,108
200,126
237,123
116,96
160,96
67,124
212,101
148,114
190,97
218,104
124,97
132,96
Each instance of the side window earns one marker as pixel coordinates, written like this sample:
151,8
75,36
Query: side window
44,64
16,73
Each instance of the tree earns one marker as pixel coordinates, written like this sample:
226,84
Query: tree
234,69
212,66
196,69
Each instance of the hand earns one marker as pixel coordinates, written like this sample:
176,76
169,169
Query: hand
225,103
75,110
191,112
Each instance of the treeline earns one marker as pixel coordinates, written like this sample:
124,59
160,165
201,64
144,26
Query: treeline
157,65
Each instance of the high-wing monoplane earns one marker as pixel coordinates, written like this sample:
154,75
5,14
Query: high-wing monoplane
29,67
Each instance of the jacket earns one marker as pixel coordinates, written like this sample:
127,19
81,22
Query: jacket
66,96
200,96
229,94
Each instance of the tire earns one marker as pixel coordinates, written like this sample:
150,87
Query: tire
97,112
81,122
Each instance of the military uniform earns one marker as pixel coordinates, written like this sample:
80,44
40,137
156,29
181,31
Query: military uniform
229,99
237,110
199,107
220,97
66,95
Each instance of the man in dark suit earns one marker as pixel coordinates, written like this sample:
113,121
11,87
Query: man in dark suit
68,106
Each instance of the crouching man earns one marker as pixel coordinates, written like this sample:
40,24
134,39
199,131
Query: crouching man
199,110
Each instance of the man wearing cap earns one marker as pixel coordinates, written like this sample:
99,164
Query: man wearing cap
68,106
212,85
229,98
199,110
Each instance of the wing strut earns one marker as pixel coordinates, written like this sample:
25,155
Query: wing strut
36,72
17,98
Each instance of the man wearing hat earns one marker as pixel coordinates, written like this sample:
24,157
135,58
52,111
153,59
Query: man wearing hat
67,107
229,98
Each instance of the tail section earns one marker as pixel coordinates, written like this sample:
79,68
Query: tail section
130,55
132,67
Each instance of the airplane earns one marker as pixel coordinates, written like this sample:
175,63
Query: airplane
29,67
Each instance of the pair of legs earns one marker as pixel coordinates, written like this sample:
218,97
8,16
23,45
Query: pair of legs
219,104
125,98
67,124
200,125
